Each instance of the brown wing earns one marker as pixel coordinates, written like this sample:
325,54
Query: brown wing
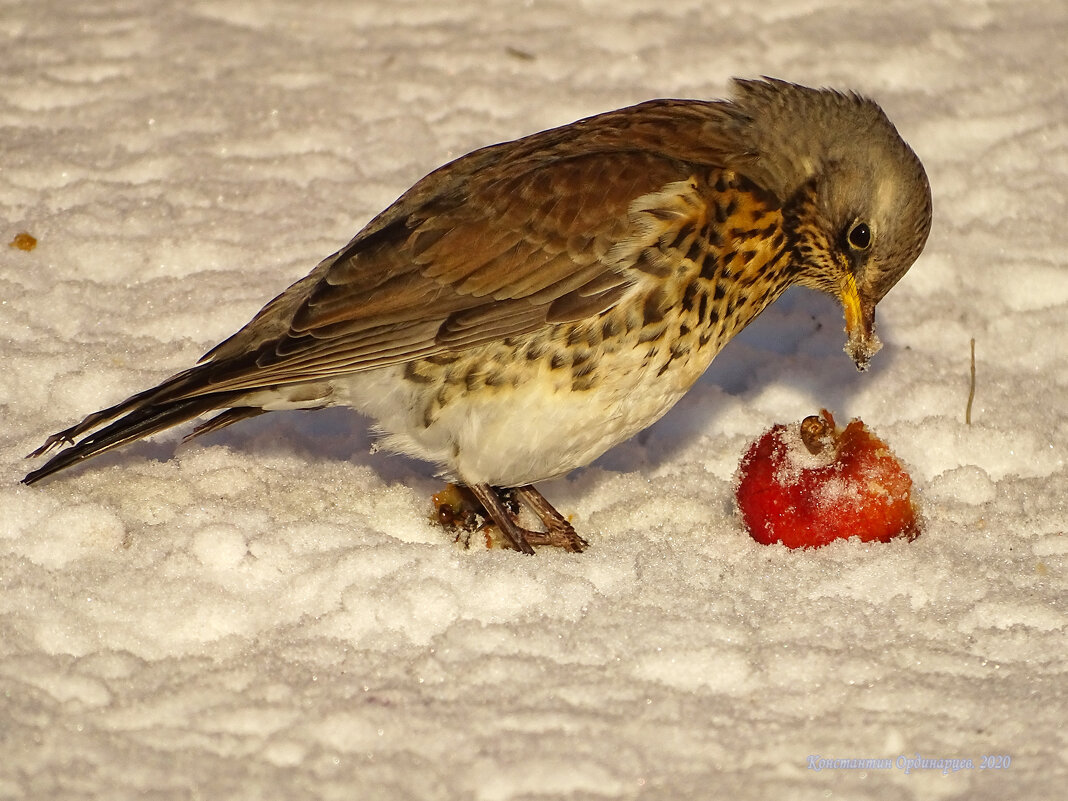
497,244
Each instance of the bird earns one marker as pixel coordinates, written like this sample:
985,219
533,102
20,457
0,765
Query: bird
522,309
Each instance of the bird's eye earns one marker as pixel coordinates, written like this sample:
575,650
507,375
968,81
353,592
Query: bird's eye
860,236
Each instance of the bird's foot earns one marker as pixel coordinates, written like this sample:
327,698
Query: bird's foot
558,530
466,510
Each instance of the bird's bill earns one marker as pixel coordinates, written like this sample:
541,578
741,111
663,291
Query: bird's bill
861,343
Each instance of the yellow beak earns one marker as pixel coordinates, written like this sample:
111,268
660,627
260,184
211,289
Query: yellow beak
861,342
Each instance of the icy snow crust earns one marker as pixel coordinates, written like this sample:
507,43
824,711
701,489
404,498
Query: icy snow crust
268,612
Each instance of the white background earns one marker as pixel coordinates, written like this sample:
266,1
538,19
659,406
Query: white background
268,613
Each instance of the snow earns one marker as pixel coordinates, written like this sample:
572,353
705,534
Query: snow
269,613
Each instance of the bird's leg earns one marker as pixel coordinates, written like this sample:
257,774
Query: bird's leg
500,505
495,508
558,531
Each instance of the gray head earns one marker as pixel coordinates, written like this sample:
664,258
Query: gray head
860,195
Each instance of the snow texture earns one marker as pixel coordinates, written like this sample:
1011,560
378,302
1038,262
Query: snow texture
268,613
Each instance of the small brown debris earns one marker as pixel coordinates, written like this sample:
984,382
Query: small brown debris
458,511
454,510
23,241
522,55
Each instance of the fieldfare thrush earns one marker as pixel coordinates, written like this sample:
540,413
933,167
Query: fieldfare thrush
524,308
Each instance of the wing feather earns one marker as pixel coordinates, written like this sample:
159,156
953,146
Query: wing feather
500,243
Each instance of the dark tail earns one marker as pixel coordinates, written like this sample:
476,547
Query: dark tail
181,397
140,421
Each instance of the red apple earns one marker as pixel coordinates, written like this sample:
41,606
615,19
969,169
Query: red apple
809,484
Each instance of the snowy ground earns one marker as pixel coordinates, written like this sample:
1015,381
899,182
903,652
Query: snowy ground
267,613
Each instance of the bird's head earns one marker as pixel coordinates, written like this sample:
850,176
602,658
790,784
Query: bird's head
856,197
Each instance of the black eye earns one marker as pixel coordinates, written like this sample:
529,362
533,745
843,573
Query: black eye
860,236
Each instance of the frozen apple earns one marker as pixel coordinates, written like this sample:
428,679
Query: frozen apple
807,484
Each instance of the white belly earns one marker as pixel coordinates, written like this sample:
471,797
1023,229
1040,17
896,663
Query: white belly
514,435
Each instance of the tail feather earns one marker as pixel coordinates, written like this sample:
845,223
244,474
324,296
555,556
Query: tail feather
179,387
68,435
140,420
229,417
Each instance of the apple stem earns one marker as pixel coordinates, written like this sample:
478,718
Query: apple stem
817,434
